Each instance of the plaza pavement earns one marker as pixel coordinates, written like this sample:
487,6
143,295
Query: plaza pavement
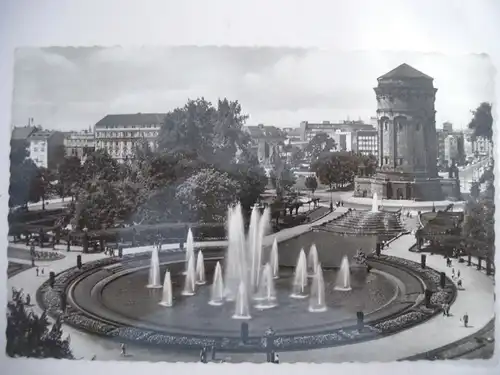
476,300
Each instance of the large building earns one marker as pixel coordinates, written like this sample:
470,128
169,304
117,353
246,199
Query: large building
365,142
407,142
454,149
120,134
46,148
309,130
481,146
79,144
267,142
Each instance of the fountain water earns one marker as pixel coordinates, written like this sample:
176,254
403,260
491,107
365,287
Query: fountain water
217,296
189,248
167,291
252,244
200,269
317,301
236,269
154,270
266,294
242,310
190,279
300,277
344,276
375,202
312,261
244,255
274,260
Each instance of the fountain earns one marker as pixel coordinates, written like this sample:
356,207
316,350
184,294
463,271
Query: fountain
217,296
243,259
344,276
190,279
312,261
300,277
317,301
274,260
154,270
167,291
200,269
266,294
189,248
242,310
375,203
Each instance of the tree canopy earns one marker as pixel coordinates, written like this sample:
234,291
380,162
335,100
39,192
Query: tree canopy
30,335
320,144
482,121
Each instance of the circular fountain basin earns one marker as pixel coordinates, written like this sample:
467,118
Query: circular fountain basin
121,298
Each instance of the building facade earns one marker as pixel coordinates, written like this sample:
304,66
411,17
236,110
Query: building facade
79,144
407,141
267,142
309,130
365,142
454,149
120,134
481,146
46,148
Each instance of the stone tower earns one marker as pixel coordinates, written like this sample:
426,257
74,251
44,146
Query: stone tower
407,149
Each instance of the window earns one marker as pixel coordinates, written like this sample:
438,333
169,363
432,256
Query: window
35,149
386,160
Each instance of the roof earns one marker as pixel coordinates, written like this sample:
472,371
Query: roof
22,133
42,134
132,119
262,131
405,71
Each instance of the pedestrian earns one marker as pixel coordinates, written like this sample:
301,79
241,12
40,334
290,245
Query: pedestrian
443,307
37,270
43,271
459,283
213,352
123,352
453,272
458,274
447,309
28,299
276,358
465,319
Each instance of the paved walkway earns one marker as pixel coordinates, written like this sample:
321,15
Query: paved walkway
476,300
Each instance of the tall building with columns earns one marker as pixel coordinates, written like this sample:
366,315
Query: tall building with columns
407,141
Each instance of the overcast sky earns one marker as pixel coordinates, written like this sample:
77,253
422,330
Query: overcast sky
73,88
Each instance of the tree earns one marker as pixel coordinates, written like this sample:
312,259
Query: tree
319,144
311,183
41,186
29,335
99,165
251,178
69,175
482,121
214,134
206,195
22,173
103,204
369,164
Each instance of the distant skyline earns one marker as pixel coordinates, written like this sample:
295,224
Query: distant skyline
67,88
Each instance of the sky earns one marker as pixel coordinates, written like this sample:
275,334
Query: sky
71,88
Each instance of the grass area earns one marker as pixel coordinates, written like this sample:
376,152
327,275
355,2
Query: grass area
15,268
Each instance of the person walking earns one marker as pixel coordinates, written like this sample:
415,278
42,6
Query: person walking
465,319
123,348
452,273
458,274
459,283
443,307
28,299
43,271
37,271
447,309
276,358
